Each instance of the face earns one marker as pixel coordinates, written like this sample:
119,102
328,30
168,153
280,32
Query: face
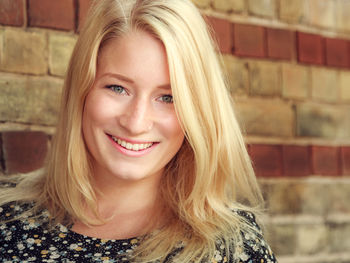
129,121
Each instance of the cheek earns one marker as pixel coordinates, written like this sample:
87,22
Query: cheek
95,110
172,130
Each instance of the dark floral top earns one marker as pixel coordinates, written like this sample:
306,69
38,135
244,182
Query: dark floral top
31,240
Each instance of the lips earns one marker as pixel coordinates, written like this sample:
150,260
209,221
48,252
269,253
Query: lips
132,146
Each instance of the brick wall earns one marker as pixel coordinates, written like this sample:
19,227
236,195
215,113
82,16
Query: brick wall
288,64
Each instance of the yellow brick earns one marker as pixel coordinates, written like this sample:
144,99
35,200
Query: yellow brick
322,13
292,11
312,238
344,85
24,52
237,74
282,237
265,117
29,99
339,194
295,198
342,15
201,3
339,238
61,48
265,78
262,8
295,81
325,84
229,5
1,45
323,120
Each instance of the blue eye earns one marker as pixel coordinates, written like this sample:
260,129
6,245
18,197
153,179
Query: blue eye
167,98
117,89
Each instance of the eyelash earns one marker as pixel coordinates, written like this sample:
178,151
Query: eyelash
167,96
115,89
120,90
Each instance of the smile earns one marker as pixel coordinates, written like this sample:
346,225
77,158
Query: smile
132,146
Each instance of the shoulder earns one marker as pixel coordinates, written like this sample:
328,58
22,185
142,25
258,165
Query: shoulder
10,211
253,247
247,246
11,221
18,219
250,221
17,209
22,214
22,233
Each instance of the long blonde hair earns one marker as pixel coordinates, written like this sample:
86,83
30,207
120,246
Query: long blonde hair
209,177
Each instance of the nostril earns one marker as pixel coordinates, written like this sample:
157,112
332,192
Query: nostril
136,124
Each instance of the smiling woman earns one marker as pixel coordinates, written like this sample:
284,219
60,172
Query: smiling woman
148,163
126,113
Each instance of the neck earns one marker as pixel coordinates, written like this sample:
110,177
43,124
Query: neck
129,207
117,196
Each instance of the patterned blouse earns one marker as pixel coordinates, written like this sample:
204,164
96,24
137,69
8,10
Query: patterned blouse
31,240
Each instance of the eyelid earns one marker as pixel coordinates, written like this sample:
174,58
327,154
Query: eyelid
168,95
126,92
116,85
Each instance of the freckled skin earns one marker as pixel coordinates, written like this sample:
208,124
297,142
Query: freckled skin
136,110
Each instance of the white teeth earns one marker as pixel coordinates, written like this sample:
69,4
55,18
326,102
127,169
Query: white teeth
130,146
135,147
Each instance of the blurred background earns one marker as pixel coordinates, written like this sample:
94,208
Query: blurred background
288,65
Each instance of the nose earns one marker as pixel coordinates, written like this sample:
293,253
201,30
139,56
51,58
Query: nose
137,118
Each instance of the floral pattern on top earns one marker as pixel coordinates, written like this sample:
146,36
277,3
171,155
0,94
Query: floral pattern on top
32,240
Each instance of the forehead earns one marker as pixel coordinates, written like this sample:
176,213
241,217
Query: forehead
136,54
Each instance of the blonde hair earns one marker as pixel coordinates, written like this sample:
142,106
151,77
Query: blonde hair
209,177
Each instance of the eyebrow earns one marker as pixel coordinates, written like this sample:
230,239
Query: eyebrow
118,76
128,80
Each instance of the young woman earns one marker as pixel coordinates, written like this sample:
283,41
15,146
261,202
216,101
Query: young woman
148,163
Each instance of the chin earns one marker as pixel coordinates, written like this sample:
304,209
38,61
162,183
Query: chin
133,175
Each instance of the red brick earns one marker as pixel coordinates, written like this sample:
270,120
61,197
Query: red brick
310,48
345,159
223,33
249,40
325,160
280,43
11,12
24,151
52,14
296,160
84,6
267,159
337,52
